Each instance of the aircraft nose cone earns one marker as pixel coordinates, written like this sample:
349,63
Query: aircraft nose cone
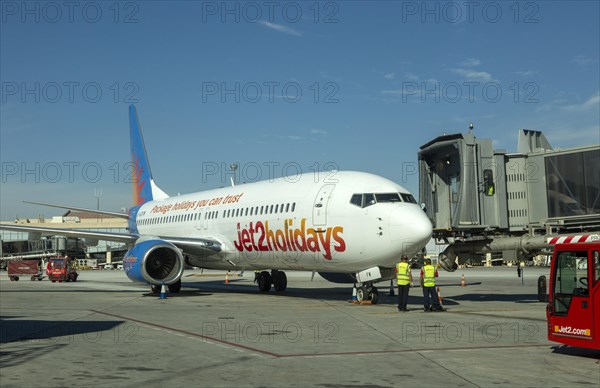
410,225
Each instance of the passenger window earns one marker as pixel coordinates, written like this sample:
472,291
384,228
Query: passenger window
287,207
276,207
356,200
271,210
246,212
293,206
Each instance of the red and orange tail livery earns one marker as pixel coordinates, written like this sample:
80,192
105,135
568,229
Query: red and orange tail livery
144,189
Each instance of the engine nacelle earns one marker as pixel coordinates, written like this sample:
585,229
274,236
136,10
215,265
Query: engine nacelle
447,260
154,262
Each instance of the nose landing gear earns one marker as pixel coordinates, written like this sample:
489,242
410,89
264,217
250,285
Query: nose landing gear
367,292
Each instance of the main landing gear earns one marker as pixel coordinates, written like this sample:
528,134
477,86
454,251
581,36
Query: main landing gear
276,278
367,292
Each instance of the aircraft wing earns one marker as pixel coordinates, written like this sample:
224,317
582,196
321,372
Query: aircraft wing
105,236
202,247
103,212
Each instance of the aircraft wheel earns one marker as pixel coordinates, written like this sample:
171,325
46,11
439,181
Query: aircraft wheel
264,281
175,287
362,294
279,280
155,289
373,295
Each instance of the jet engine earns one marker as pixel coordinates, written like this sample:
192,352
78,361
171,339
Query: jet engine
154,262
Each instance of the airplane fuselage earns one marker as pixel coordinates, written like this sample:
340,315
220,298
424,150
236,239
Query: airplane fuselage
306,222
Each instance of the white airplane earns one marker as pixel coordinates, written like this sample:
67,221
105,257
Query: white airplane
347,226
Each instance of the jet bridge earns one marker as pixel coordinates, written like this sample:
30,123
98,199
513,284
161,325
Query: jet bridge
482,200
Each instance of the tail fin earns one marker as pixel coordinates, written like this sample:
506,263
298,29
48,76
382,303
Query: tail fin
144,189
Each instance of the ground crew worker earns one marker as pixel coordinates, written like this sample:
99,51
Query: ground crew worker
404,277
428,275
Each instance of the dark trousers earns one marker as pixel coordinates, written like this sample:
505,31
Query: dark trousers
403,296
430,298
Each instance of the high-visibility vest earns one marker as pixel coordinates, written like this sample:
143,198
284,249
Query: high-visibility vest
428,276
402,270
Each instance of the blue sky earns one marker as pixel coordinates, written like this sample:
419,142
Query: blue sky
277,87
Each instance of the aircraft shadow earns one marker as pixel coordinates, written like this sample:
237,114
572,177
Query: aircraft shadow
126,289
51,332
211,287
339,293
498,297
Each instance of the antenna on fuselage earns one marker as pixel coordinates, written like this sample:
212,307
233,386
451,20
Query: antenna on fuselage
233,167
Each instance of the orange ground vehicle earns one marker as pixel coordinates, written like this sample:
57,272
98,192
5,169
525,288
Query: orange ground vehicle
573,311
61,269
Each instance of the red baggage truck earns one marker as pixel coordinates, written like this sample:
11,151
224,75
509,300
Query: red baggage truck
17,268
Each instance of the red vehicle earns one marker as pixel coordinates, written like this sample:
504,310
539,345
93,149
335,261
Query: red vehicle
573,311
31,268
61,269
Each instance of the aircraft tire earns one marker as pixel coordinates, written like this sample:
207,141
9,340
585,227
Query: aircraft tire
264,281
362,294
279,281
155,289
373,295
175,287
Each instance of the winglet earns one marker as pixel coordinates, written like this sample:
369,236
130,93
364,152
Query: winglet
144,189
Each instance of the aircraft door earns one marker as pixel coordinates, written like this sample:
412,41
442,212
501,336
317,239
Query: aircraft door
320,205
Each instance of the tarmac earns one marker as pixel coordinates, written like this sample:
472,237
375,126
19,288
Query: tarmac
104,330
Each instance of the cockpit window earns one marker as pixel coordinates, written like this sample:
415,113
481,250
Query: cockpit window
356,200
369,200
388,197
408,198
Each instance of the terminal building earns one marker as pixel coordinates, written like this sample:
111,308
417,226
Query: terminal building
488,204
